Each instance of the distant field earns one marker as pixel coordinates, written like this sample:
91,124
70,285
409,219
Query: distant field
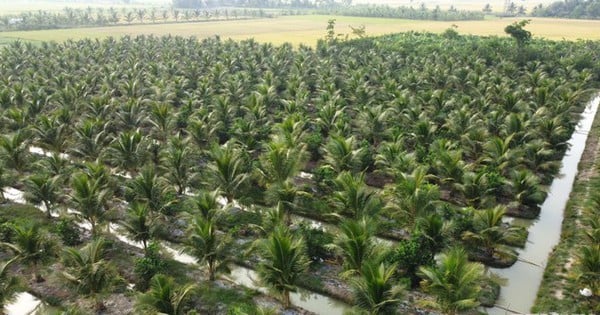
307,29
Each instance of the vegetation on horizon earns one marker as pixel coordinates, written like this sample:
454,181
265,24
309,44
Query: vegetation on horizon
577,9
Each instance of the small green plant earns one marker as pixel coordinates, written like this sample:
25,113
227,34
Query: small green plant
68,232
148,266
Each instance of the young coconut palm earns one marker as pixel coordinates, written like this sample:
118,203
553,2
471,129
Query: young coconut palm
488,234
355,243
376,290
89,198
140,223
164,297
31,247
413,196
454,281
208,246
354,198
227,171
43,189
9,285
284,262
14,150
88,271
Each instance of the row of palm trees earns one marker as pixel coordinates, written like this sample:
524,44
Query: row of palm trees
73,17
408,132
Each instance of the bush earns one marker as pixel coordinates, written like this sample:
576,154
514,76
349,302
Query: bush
146,267
68,232
316,242
410,255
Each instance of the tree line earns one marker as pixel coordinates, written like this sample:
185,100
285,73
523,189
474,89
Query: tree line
573,9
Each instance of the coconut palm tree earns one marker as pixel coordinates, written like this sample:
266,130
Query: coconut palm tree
392,158
488,234
147,187
342,154
526,189
227,170
14,150
88,271
353,198
164,297
57,166
139,223
89,197
375,290
279,163
284,261
207,204
454,281
43,189
209,246
413,196
90,139
355,243
127,151
50,133
31,247
9,285
178,164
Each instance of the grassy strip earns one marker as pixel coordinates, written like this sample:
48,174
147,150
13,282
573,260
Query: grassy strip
558,291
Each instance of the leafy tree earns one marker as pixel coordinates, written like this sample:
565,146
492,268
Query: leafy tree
516,30
146,267
411,254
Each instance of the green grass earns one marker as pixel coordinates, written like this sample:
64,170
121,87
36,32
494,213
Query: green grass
23,213
308,29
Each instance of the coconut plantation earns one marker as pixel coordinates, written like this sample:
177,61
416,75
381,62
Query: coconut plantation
401,174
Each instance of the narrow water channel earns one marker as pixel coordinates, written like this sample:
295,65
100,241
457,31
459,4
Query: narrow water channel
525,276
